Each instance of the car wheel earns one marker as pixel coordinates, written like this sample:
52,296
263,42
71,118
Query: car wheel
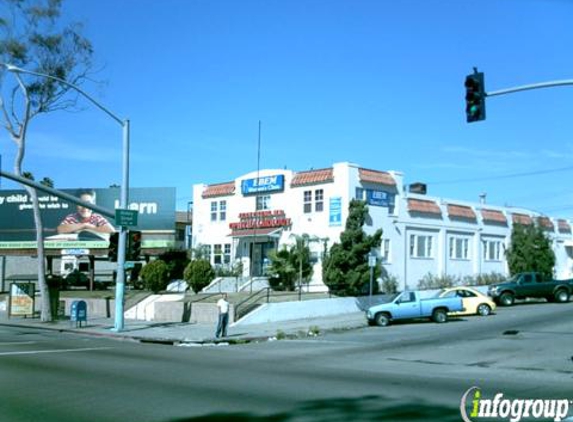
382,320
562,296
483,309
439,316
507,299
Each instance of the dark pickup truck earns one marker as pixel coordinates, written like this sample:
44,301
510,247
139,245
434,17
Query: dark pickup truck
531,285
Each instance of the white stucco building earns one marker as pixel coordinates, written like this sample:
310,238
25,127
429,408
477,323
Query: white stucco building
245,218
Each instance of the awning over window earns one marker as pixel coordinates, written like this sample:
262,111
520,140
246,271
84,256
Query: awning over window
269,231
493,216
423,206
461,211
522,219
564,226
546,223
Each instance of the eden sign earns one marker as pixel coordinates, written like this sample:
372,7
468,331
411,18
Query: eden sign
265,184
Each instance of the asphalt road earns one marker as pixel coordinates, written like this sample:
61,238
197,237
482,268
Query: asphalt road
405,372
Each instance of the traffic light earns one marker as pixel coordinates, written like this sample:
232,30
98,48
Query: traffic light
134,246
475,97
113,247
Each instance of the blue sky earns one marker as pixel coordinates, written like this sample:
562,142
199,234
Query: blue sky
377,83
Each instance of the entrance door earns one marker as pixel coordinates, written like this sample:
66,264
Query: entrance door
260,257
257,259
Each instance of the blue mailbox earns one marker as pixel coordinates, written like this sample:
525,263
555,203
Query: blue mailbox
79,312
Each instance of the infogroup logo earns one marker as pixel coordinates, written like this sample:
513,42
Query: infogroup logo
474,407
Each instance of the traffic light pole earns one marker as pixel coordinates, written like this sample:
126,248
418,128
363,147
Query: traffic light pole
530,87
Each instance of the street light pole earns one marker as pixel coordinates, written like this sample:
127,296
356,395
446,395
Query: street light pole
124,195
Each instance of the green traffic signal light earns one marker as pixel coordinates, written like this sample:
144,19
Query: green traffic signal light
475,97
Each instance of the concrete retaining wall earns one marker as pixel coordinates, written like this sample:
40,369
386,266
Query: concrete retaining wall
189,312
285,311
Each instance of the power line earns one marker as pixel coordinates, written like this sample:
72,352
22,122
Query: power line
505,176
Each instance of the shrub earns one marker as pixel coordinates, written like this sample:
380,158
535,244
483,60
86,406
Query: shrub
155,276
431,281
198,274
389,284
176,261
487,279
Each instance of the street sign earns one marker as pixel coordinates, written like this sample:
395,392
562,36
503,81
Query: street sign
372,259
126,218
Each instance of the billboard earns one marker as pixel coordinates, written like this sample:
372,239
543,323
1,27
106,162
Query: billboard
69,226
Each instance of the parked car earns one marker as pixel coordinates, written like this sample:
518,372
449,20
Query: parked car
408,305
475,302
531,285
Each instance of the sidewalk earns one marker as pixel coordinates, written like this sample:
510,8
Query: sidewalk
180,333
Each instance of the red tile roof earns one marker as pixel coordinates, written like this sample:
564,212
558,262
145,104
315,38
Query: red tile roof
563,226
493,216
461,211
523,219
375,176
419,205
546,223
219,189
313,177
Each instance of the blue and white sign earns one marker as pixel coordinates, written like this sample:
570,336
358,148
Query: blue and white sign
274,183
380,198
335,217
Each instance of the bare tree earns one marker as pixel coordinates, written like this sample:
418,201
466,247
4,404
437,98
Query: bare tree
33,37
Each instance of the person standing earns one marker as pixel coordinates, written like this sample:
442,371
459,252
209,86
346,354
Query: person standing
223,308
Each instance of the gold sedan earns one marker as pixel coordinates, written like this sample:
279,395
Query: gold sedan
474,302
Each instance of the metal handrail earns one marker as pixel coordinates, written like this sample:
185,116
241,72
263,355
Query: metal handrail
243,303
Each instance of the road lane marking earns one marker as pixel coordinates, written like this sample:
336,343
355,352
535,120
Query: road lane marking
37,352
11,343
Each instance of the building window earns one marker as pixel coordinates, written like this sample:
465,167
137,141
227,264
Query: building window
319,200
222,210
217,255
385,250
492,250
359,194
214,211
307,201
207,252
459,247
421,246
219,209
263,202
227,254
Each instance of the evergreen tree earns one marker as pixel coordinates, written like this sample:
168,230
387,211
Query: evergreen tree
345,267
198,274
290,265
530,250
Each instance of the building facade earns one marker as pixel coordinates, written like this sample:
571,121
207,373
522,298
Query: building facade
240,221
